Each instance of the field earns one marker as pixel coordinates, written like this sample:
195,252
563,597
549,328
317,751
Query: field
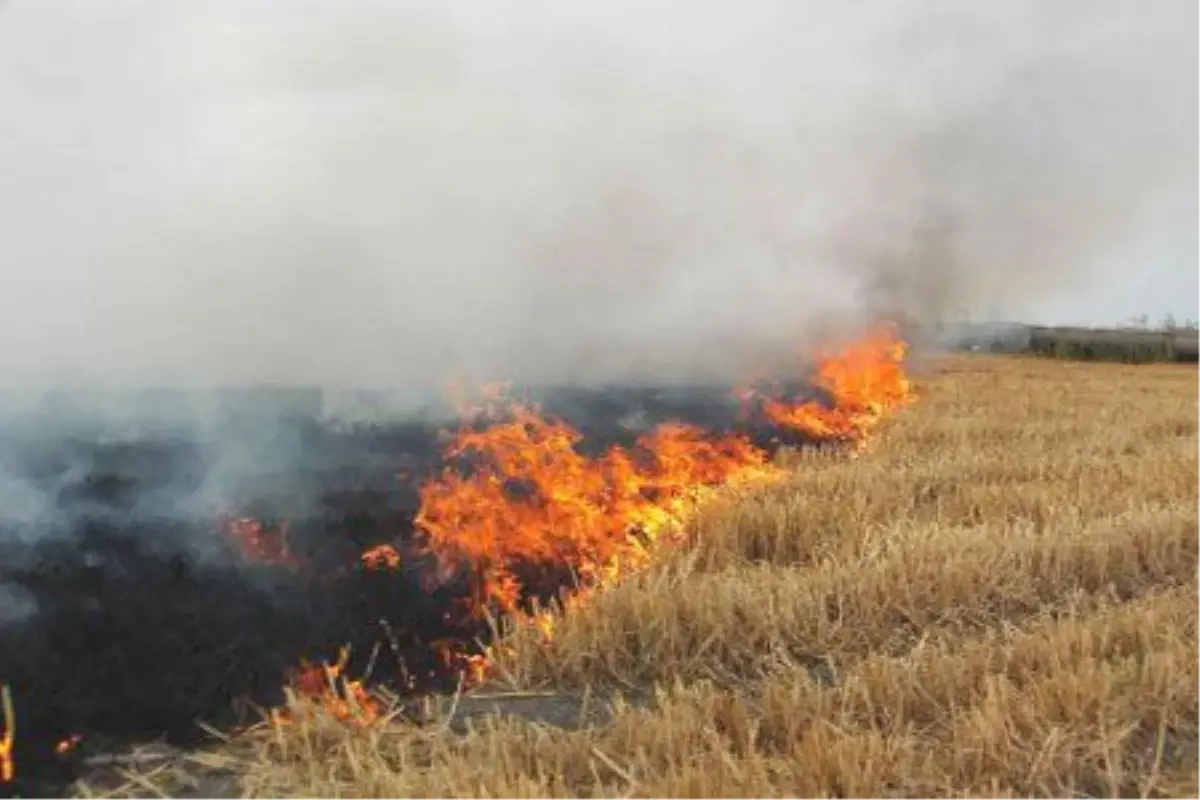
998,597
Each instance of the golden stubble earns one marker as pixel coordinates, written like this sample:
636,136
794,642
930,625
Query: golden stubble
997,598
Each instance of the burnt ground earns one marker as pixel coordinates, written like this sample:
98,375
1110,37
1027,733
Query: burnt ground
127,615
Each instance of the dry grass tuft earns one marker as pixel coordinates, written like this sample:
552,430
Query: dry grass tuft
999,598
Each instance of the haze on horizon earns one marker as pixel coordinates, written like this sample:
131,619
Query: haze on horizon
350,192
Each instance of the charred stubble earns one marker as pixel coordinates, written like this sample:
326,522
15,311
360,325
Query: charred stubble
145,624
997,599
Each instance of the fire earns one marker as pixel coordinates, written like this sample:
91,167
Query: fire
260,542
533,519
64,746
382,556
8,767
533,500
470,667
866,381
8,737
348,700
530,521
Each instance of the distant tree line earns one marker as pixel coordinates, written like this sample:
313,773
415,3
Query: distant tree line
1139,342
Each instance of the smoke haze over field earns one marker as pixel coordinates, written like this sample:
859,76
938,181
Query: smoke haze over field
386,194
301,197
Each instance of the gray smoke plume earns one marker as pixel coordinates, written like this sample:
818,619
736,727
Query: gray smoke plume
368,194
350,194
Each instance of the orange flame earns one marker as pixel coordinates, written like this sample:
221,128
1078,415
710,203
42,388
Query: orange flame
348,700
64,746
865,379
260,542
382,556
8,768
535,500
8,765
532,500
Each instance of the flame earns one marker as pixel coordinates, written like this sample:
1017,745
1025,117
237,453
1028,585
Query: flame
64,746
533,499
8,768
533,519
470,667
866,380
382,556
260,542
8,765
348,700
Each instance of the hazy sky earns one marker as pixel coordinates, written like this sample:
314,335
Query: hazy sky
350,191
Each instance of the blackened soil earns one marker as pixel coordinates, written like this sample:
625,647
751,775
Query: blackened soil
128,615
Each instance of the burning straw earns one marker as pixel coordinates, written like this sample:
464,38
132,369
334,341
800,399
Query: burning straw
526,517
7,767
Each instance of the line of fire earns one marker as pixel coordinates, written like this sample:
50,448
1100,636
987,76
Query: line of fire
394,567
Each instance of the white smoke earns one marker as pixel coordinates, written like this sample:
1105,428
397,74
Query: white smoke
354,193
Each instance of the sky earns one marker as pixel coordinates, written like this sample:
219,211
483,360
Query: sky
350,192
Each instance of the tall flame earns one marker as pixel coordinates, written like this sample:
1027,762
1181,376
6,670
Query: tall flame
533,499
533,509
865,379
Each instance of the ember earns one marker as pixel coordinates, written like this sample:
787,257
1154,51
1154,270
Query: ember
413,548
7,769
261,543
68,744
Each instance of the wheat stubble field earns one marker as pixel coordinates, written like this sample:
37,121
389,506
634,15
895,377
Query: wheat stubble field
999,597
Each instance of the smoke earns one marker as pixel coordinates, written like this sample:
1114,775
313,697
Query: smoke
361,194
367,195
350,195
16,604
